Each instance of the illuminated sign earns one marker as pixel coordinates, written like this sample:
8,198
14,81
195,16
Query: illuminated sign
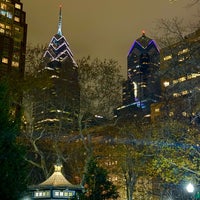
63,194
42,194
57,194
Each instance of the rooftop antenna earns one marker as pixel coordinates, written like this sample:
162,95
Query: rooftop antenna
60,21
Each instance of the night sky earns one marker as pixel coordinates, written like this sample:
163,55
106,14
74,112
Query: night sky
100,28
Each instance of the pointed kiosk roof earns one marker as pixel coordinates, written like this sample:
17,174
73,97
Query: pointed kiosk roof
57,179
58,49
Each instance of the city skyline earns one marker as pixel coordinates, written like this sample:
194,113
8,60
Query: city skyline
103,29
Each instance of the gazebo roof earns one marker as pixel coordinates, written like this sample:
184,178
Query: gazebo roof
56,179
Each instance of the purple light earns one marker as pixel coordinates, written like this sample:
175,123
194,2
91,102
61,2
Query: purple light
150,42
132,47
154,43
135,42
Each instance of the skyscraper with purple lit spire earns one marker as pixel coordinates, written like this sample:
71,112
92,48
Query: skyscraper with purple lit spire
58,50
60,102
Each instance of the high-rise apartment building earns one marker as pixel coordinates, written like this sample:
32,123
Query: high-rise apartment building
13,35
142,87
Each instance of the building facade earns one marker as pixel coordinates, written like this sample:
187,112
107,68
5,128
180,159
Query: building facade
13,36
180,71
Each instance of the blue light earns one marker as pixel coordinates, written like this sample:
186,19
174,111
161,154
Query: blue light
6,14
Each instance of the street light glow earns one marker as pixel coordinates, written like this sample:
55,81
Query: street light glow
190,188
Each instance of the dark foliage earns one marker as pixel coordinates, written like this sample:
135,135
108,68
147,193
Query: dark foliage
13,167
96,183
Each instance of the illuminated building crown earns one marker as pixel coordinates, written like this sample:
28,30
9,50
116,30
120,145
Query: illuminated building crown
58,49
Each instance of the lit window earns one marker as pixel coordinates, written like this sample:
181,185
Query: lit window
16,56
8,32
189,76
166,83
66,194
184,92
181,79
2,25
40,194
194,75
5,60
184,114
8,27
181,59
157,110
176,95
18,6
17,19
3,6
2,30
171,114
15,64
70,194
167,57
17,29
183,51
56,193
175,81
9,15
